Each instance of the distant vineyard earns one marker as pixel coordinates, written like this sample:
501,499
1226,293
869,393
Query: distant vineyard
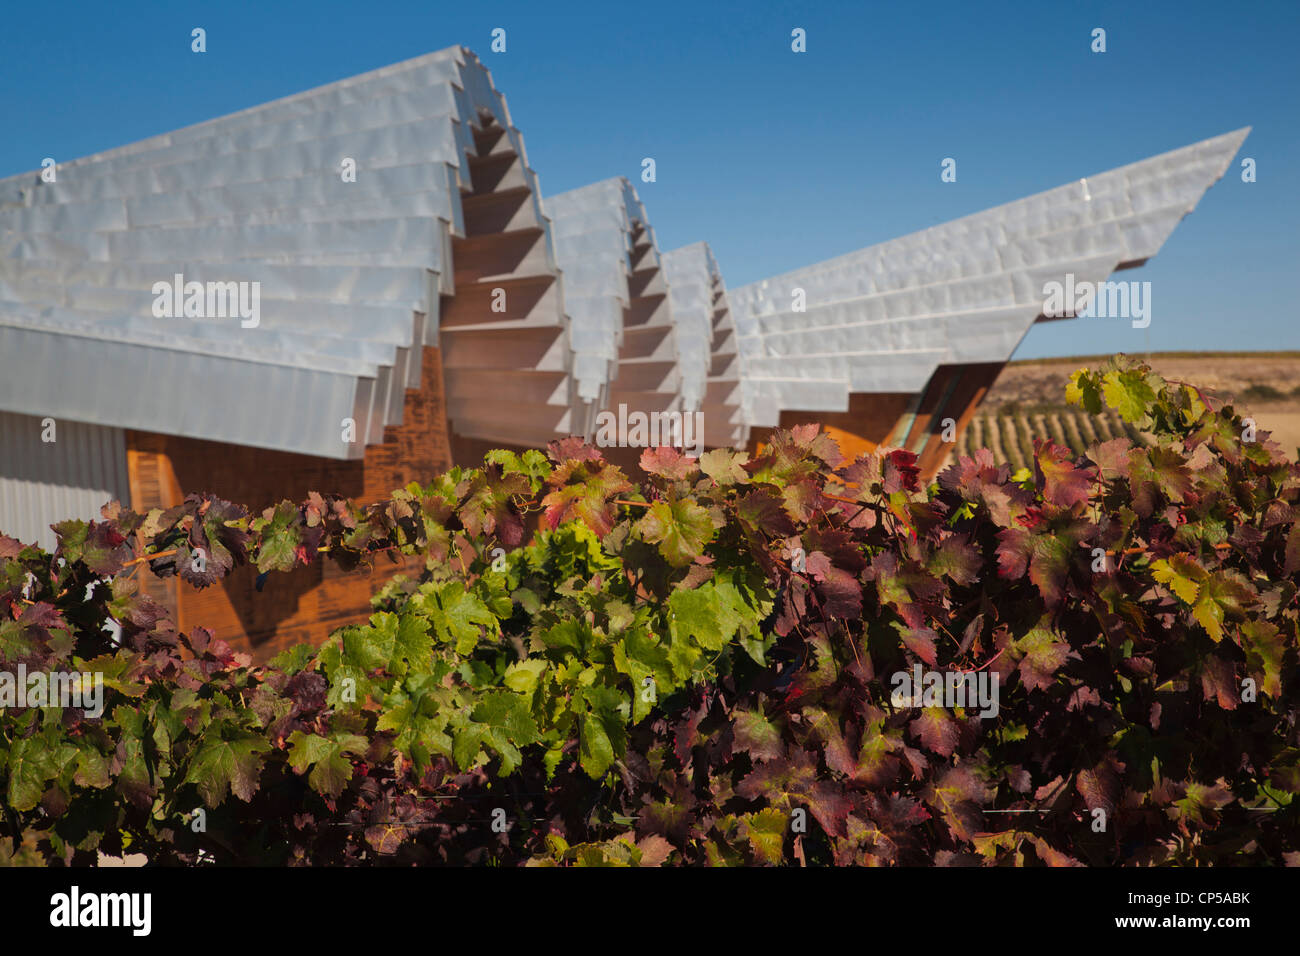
1009,432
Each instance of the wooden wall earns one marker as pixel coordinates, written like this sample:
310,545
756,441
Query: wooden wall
308,603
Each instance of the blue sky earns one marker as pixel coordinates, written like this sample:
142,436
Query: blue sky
777,159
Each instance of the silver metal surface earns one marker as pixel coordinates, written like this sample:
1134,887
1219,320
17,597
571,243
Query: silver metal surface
44,482
711,372
350,273
882,319
606,250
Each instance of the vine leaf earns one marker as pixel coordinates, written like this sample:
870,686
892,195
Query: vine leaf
221,766
680,528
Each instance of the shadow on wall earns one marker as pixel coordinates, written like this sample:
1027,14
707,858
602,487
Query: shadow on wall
257,478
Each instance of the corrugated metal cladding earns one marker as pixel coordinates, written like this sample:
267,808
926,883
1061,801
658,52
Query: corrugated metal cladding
46,482
592,229
706,343
347,271
621,324
884,318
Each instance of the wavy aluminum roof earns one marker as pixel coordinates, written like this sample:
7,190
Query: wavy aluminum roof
621,323
706,343
350,273
882,319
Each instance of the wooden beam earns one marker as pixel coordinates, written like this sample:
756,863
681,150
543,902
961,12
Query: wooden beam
964,398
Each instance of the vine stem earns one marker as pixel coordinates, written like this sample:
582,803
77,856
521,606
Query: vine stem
321,550
984,665
151,557
851,501
1127,551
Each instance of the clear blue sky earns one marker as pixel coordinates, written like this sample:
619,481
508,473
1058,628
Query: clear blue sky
777,159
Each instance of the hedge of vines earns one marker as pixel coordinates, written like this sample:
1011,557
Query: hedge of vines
696,668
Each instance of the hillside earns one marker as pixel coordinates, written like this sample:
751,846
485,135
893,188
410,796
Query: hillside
1028,399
